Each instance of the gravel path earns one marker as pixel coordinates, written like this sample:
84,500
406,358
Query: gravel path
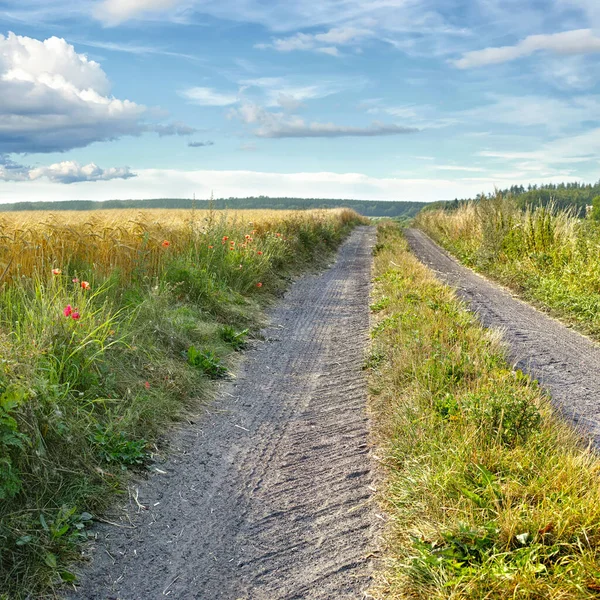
268,496
564,361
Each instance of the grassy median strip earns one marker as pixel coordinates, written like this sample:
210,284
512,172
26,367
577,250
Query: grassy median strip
112,326
489,494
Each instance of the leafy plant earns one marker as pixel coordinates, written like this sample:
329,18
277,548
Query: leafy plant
207,361
10,440
236,339
117,448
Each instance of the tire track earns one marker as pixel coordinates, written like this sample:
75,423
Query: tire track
564,361
268,496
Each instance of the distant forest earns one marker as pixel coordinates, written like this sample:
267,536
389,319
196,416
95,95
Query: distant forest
562,195
368,208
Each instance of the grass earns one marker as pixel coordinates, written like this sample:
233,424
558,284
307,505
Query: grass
550,257
112,326
489,494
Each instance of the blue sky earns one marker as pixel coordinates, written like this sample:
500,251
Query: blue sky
381,99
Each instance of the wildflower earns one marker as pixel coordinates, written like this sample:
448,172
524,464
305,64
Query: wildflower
166,244
259,253
225,238
85,285
259,285
56,271
75,280
147,385
68,310
75,315
232,243
241,267
211,247
277,235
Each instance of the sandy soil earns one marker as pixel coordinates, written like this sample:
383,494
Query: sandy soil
269,495
564,361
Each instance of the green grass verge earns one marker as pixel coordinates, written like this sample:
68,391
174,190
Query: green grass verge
90,379
548,256
489,494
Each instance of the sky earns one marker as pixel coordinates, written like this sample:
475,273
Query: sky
367,99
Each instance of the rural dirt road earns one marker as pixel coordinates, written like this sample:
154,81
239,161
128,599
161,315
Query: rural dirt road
268,496
565,362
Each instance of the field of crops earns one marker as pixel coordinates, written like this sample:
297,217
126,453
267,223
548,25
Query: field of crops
112,325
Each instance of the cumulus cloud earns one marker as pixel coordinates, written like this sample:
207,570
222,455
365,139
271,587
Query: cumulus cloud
579,41
62,172
325,42
200,144
208,97
53,99
279,125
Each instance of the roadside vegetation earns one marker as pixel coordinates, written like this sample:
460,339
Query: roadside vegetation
112,326
549,256
489,494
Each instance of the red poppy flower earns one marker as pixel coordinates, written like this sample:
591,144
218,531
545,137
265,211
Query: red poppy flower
68,310
75,315
259,253
259,285
56,271
85,285
225,238
147,385
211,247
166,244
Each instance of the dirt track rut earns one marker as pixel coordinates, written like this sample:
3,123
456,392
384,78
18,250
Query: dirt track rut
268,496
564,361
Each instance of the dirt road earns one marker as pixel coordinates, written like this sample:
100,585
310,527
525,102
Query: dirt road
269,495
565,362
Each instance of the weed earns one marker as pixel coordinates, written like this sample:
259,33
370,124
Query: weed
206,361
236,339
117,448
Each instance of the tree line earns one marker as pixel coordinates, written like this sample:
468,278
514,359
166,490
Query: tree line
367,208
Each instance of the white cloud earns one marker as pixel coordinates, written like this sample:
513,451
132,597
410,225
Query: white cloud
209,97
114,12
291,91
325,42
54,99
459,168
555,114
579,41
279,125
158,183
63,172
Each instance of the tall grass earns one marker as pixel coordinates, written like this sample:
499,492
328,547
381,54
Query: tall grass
112,325
489,493
549,256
